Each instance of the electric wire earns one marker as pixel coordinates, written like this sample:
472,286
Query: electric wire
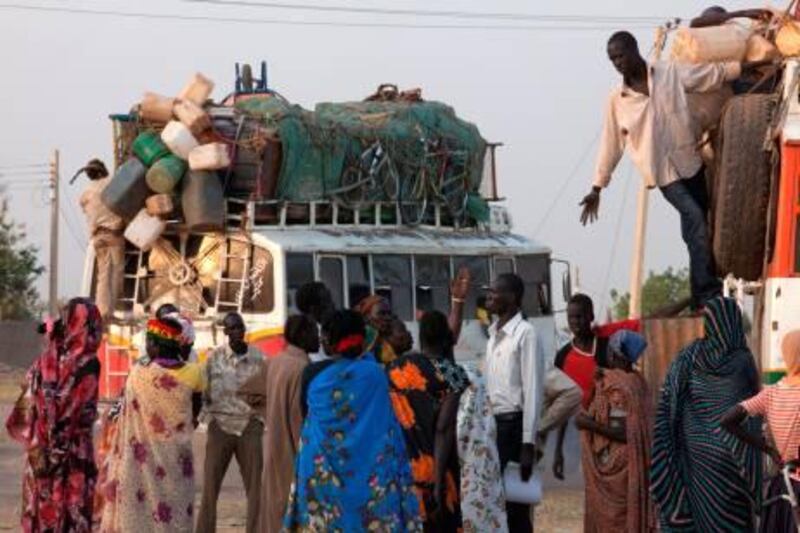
566,183
434,13
605,295
317,23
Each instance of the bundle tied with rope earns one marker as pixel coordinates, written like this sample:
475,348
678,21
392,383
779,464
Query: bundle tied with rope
392,147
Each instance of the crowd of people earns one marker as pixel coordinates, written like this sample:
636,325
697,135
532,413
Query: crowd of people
408,441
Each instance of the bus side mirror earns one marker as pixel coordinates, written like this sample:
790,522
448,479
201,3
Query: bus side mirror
566,286
566,279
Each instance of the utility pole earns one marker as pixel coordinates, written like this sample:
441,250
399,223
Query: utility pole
54,179
637,263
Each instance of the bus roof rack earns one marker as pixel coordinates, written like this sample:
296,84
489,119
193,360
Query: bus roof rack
248,214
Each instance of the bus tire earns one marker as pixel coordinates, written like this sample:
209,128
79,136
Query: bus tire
742,188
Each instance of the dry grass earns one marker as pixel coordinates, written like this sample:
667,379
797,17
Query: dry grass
10,379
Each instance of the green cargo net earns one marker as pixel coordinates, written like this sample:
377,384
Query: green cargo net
415,154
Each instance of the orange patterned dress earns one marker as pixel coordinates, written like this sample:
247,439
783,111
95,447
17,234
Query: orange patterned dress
418,386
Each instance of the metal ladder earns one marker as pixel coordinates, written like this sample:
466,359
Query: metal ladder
241,282
135,276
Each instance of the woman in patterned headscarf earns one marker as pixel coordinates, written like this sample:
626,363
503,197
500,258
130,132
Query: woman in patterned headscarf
703,478
149,483
60,473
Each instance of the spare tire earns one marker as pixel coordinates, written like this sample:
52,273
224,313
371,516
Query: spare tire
742,188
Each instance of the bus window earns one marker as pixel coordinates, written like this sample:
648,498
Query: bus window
432,273
535,273
391,276
331,273
358,286
503,265
299,271
259,295
479,269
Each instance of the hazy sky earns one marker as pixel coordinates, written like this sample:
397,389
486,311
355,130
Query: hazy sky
541,92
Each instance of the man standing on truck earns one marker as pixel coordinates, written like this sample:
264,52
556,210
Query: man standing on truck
649,115
109,246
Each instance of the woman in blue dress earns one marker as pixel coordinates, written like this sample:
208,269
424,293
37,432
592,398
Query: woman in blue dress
352,470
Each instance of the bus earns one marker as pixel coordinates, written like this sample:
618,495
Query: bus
272,248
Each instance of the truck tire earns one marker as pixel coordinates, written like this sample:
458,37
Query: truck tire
742,188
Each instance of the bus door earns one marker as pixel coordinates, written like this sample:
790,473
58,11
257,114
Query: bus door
331,270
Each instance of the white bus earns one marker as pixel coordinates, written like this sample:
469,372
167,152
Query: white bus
275,248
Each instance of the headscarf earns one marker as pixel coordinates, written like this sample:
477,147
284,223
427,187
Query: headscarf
627,344
790,348
366,305
702,477
724,332
166,334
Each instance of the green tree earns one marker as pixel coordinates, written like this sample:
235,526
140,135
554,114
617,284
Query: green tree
19,269
659,291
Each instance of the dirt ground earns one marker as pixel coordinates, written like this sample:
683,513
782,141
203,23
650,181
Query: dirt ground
560,512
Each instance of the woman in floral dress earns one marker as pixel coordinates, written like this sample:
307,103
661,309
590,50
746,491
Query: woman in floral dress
150,484
483,498
59,475
425,392
352,471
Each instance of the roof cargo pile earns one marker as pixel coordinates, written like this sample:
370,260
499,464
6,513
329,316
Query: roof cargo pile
179,158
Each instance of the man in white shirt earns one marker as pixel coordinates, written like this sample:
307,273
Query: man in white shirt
109,246
515,373
649,115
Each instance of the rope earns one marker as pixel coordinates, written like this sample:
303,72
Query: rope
617,232
566,183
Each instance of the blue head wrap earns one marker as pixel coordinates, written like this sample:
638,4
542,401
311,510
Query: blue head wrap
628,344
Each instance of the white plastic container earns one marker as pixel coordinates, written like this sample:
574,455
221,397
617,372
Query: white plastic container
197,90
144,230
212,156
192,116
712,44
178,137
156,108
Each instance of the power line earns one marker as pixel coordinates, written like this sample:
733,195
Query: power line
17,183
289,22
14,167
617,232
71,229
565,184
434,13
12,173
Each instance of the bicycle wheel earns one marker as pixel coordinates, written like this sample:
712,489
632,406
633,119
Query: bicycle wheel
413,200
454,197
353,188
389,180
